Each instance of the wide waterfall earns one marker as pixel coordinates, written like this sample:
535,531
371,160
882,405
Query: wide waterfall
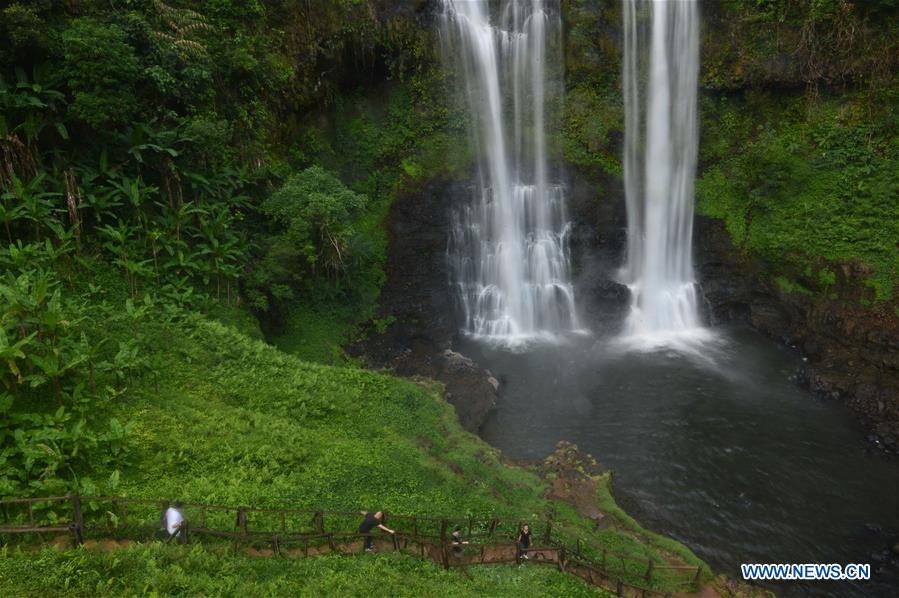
508,248
661,138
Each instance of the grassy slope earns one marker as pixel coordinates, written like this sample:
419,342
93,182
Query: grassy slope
230,420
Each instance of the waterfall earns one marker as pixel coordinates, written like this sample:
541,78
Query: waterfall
508,246
661,139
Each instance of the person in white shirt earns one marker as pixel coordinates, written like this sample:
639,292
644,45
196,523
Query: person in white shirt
174,519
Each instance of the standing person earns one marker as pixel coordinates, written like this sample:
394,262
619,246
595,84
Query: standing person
524,541
174,519
371,521
456,541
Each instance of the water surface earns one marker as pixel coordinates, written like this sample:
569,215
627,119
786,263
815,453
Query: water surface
720,449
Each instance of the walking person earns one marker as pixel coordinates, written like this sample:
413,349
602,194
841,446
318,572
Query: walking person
456,541
371,521
174,520
524,541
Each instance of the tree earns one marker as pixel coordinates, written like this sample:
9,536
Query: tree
102,70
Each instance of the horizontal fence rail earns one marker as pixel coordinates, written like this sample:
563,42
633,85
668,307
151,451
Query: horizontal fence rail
295,533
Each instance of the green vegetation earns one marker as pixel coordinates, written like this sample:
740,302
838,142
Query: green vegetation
305,435
175,570
383,143
153,151
806,184
799,138
593,115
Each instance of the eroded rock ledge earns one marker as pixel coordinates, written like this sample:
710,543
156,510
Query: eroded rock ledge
572,475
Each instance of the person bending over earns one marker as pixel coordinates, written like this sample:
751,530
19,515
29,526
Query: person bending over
371,521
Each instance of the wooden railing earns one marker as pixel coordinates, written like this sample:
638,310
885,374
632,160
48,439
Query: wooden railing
306,532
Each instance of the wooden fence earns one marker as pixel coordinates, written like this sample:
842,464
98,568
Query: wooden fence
306,532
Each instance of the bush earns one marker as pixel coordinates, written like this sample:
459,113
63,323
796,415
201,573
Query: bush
102,70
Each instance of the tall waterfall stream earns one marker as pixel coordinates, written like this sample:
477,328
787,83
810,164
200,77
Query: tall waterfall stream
661,67
508,248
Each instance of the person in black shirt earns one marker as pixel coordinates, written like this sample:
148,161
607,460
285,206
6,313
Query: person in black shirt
524,541
371,521
456,541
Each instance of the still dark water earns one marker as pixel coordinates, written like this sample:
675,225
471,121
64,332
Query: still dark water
719,448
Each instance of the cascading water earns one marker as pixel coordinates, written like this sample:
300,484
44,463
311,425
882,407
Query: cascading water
508,246
661,138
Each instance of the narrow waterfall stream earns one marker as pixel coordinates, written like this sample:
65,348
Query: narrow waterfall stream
508,248
661,66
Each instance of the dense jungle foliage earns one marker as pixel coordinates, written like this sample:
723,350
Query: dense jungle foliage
170,149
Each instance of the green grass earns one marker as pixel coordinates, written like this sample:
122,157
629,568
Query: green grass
317,334
157,569
230,420
626,522
303,434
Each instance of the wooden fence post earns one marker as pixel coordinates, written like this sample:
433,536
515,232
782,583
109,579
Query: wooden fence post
649,572
549,525
443,552
619,589
698,574
242,520
319,522
78,519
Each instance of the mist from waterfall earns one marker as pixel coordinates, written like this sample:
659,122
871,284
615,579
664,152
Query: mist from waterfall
508,246
661,66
